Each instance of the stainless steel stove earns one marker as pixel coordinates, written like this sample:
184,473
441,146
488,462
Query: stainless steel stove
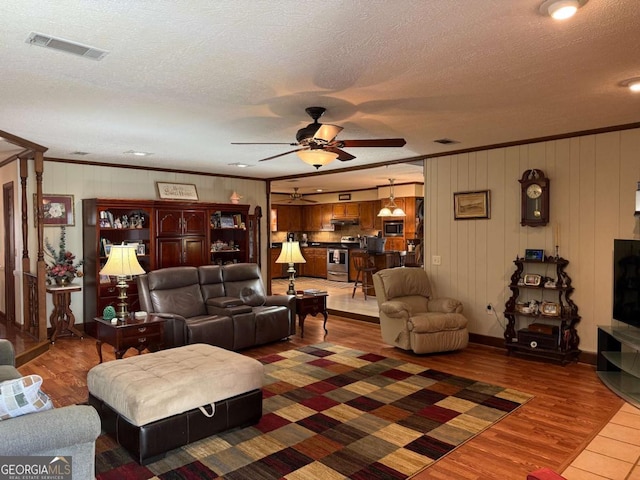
338,259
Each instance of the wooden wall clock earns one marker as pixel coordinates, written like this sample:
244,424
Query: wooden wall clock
535,198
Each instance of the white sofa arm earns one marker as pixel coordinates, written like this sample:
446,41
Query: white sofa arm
444,305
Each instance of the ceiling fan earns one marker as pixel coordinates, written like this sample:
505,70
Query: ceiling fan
318,144
295,196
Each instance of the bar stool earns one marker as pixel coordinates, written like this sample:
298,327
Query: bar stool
364,267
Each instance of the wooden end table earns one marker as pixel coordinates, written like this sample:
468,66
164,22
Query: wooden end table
62,319
311,305
131,333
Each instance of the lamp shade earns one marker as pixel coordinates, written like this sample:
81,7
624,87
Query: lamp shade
122,261
317,157
291,253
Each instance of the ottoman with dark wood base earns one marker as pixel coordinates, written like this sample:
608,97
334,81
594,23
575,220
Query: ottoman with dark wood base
153,403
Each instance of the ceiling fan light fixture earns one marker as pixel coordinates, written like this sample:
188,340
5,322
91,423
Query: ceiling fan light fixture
317,157
561,9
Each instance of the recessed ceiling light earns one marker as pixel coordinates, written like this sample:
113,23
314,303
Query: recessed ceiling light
319,190
632,84
561,9
137,154
239,165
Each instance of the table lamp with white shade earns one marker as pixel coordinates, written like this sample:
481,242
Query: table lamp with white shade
122,262
291,254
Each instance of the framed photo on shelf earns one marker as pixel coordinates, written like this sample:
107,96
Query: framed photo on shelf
140,249
533,254
107,249
177,191
105,279
532,280
226,222
551,309
471,205
57,210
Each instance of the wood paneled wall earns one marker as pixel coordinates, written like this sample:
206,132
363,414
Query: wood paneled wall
593,184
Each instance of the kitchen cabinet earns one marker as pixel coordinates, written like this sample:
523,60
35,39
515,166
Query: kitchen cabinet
410,221
316,265
346,210
368,214
395,244
312,218
543,306
278,270
181,237
289,218
327,216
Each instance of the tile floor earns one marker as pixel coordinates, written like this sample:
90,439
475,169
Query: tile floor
614,454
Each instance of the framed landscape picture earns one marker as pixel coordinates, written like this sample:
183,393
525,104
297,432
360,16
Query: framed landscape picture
471,205
57,210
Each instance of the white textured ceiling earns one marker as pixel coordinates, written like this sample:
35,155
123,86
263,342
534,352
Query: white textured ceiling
185,79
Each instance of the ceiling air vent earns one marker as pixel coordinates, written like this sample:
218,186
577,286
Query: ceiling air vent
64,45
445,141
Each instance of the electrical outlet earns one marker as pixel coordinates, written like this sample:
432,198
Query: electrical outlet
436,260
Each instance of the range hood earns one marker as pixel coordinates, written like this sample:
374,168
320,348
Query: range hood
345,221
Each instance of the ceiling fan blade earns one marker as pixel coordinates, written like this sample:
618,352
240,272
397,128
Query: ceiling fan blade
263,143
376,142
306,200
327,132
342,155
282,154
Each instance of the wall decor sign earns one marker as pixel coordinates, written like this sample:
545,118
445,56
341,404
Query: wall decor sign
344,196
177,191
57,210
471,205
534,254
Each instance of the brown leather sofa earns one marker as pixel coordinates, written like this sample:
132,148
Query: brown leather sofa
225,306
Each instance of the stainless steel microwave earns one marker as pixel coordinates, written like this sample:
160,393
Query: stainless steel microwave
393,229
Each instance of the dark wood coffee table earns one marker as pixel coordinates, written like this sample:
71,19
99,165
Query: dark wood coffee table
131,333
311,305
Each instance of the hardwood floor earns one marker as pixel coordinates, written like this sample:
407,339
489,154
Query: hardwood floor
570,406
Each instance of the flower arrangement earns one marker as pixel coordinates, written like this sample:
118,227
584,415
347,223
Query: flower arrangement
61,267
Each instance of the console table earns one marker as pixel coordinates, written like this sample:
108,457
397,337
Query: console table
62,319
130,333
311,305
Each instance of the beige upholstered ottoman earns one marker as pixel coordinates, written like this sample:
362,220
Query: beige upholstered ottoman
156,402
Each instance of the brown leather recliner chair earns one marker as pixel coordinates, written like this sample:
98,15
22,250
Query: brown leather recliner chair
411,319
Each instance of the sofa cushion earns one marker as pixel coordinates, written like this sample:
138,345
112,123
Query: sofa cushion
21,396
250,296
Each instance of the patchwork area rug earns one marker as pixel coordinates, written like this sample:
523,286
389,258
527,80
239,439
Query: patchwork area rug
331,412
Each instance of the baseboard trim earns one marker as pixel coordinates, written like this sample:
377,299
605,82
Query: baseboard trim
353,316
32,353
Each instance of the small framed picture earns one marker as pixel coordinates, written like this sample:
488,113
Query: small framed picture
532,280
107,249
534,255
140,249
551,309
226,222
344,196
57,210
105,279
471,205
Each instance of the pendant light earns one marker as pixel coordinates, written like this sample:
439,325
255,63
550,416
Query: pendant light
391,210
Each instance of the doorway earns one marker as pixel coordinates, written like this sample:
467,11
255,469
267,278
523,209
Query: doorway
9,313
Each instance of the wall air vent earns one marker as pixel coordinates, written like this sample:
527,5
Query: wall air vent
445,141
63,45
